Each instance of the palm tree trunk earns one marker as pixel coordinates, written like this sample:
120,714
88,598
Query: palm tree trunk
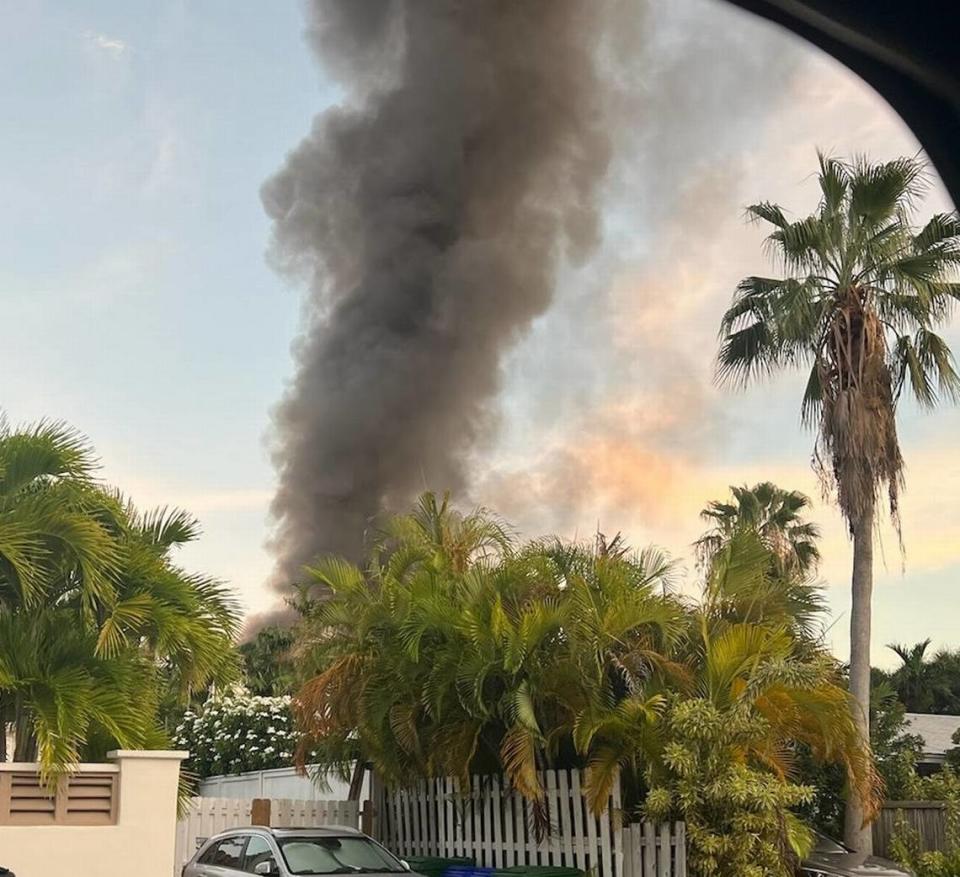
856,835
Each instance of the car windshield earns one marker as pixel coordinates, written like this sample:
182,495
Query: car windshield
826,846
337,855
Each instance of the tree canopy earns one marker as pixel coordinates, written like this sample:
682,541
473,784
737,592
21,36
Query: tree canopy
98,625
458,649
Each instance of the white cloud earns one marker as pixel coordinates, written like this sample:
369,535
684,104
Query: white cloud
112,46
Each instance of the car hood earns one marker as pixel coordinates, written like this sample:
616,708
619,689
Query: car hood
853,865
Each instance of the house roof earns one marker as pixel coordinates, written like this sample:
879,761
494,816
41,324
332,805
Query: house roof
936,732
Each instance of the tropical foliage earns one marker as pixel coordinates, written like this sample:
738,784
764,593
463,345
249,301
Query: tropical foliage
459,650
858,306
925,683
895,753
237,732
905,845
98,626
763,522
268,668
776,515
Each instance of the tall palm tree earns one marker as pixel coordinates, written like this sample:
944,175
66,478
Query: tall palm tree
776,515
861,296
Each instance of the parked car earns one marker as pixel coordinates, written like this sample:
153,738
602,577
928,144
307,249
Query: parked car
284,852
830,858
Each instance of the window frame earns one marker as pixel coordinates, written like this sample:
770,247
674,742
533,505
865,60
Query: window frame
214,845
274,852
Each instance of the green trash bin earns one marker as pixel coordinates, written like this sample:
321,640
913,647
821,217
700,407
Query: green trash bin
437,866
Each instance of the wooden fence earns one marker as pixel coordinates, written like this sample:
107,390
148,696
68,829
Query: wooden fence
208,816
928,819
493,825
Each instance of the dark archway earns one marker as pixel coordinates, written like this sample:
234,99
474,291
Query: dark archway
908,51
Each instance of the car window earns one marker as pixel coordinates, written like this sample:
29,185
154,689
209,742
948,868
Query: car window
337,855
258,850
227,853
825,846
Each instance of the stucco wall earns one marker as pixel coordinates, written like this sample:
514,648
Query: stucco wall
140,844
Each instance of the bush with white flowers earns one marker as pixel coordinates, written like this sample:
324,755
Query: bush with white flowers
238,732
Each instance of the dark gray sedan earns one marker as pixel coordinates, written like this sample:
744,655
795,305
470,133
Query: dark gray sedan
832,859
284,852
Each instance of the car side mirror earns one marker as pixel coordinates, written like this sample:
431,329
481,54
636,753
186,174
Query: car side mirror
267,869
405,864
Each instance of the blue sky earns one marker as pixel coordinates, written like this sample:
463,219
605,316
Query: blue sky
138,304
131,252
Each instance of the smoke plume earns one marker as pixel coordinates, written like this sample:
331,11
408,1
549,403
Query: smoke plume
427,214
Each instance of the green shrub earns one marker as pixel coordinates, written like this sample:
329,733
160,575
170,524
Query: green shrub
737,816
905,846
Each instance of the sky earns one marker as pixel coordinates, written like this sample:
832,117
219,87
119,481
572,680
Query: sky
138,304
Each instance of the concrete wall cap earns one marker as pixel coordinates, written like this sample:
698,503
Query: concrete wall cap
31,766
157,754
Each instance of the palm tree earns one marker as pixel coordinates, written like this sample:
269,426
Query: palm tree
725,734
47,531
912,680
186,622
46,472
774,514
64,695
97,624
547,655
746,582
435,530
452,656
862,294
268,667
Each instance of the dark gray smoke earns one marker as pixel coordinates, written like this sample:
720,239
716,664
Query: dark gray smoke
427,214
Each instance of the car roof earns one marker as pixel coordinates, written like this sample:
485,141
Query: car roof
288,831
323,831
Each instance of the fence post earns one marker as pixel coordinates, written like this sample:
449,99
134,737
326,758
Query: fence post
260,811
368,821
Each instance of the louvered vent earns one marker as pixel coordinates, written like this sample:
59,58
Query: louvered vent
88,798
30,802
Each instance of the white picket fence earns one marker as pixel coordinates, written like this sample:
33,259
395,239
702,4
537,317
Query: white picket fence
651,850
208,816
493,825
